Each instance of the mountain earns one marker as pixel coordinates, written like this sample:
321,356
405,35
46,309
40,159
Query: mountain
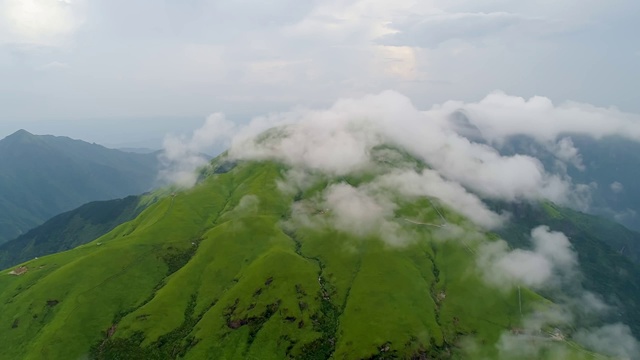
244,266
43,176
608,253
608,166
72,228
138,150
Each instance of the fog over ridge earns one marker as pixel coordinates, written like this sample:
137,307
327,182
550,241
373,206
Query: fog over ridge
338,140
465,168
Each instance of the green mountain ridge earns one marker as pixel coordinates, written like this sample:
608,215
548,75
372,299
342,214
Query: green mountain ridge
225,270
605,270
43,176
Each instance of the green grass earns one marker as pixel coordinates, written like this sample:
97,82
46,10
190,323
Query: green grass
221,271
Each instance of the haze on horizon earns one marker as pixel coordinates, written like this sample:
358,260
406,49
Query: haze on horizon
80,68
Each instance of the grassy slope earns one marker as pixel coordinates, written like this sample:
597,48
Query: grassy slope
597,241
198,276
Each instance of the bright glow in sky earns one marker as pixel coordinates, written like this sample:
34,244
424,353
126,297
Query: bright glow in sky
76,60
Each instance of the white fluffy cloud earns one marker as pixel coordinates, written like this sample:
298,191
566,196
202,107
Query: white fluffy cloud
338,140
39,22
567,152
181,156
499,115
361,213
551,257
430,183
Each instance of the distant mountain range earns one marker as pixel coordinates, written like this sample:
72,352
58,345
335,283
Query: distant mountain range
609,167
71,229
42,176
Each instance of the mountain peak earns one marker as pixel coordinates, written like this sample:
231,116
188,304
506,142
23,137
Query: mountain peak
21,133
19,136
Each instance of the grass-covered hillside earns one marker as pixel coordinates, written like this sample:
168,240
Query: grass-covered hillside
43,176
227,270
608,255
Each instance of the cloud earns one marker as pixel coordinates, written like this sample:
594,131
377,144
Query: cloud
534,337
247,206
499,116
338,140
39,22
613,340
567,152
359,20
356,211
297,180
616,187
432,30
430,183
326,141
181,156
247,58
399,61
550,259
544,333
553,265
554,246
363,211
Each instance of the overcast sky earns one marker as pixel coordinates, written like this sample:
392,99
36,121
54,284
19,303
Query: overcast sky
107,70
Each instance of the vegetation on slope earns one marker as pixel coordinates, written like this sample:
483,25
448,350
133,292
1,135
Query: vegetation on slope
607,253
224,271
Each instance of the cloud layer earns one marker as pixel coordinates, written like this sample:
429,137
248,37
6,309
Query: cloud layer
499,116
339,140
152,58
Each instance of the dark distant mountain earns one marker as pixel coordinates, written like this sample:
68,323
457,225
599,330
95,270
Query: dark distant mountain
71,229
138,150
43,176
609,166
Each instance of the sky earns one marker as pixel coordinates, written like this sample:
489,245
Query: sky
84,67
